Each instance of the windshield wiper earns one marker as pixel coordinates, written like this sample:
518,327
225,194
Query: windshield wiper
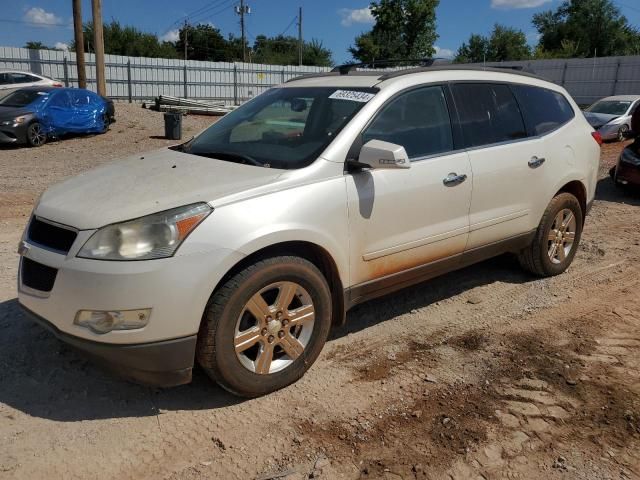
231,157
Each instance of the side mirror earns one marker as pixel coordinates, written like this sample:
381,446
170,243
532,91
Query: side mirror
377,154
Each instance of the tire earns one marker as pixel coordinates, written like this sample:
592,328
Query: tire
251,356
621,133
537,257
107,123
35,135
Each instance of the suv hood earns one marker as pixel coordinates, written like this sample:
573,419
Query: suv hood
145,184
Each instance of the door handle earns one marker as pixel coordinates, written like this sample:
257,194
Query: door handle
535,162
454,179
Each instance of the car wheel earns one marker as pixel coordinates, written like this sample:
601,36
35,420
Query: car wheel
556,239
265,326
107,123
622,133
35,135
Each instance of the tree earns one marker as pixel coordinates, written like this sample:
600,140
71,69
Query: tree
283,50
129,41
205,42
504,44
403,29
36,46
473,52
584,28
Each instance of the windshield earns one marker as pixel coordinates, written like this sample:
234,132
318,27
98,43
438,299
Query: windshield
282,128
610,107
22,98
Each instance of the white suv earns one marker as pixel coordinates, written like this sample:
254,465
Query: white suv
241,248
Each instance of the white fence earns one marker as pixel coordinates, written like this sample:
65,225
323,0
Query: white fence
139,78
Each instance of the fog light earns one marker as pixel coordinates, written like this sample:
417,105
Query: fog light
107,321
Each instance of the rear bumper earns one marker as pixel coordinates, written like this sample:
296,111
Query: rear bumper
163,364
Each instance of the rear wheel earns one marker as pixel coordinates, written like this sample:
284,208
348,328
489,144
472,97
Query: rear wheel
35,135
557,238
265,326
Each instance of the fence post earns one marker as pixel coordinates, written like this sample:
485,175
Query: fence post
235,85
615,80
564,72
66,72
185,80
129,80
282,75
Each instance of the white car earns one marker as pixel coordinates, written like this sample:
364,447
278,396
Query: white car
611,116
13,79
242,247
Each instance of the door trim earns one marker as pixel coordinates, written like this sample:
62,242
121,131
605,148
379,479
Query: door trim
376,288
414,244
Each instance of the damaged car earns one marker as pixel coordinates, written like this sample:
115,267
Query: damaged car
627,169
33,115
611,116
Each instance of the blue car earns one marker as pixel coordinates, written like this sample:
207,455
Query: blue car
34,114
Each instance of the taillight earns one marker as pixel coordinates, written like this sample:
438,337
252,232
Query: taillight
57,85
597,137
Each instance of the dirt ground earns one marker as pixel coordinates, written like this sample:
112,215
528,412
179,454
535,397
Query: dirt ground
484,373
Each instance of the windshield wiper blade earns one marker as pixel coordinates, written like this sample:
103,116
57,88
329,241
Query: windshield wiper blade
232,157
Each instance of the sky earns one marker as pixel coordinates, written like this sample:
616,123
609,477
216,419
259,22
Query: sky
335,22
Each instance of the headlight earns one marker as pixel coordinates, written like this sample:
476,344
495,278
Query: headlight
154,236
17,120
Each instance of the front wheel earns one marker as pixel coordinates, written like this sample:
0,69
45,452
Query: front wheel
557,238
265,326
36,137
622,133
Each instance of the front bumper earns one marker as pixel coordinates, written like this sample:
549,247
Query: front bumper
164,364
13,133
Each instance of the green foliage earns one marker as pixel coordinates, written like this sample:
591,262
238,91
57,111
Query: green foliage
584,28
205,42
129,41
404,29
36,46
283,50
504,44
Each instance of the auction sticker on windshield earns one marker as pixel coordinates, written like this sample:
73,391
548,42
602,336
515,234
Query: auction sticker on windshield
352,95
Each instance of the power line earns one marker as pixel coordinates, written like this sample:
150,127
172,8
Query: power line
289,26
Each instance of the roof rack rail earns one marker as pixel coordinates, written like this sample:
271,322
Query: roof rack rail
348,67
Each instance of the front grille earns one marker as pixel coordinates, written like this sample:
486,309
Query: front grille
37,276
51,236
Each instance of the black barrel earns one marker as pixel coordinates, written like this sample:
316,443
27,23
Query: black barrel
173,125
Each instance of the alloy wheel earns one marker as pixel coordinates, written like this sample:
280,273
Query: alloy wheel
561,236
36,135
274,327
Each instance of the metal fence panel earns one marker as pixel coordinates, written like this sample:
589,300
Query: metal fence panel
139,78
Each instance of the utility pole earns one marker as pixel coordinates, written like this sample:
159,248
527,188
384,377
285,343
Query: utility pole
300,45
243,10
79,40
186,39
98,46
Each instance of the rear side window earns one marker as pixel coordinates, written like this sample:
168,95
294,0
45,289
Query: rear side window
544,110
418,120
23,78
489,113
5,79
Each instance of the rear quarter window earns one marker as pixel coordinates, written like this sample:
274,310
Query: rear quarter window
544,110
489,113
